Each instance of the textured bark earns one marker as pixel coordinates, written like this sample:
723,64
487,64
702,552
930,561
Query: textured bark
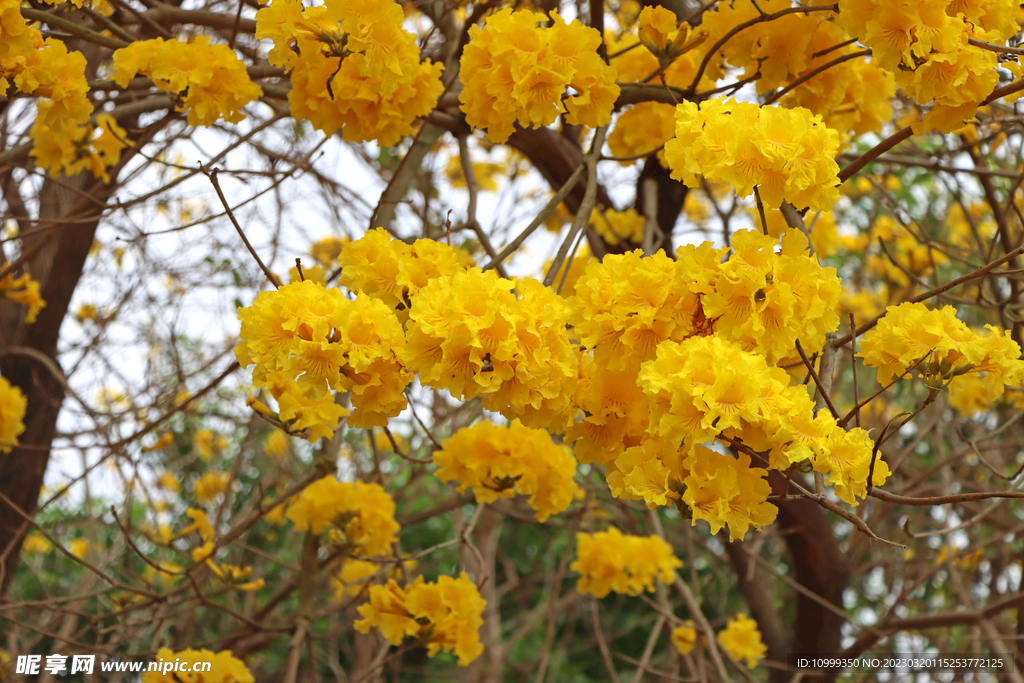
820,567
57,266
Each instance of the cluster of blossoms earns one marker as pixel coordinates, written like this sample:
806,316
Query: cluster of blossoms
852,95
512,70
392,271
618,226
307,340
648,352
12,414
363,515
63,136
24,290
943,350
625,306
789,154
500,461
445,615
355,47
647,126
210,79
210,485
612,561
477,334
926,46
705,387
717,488
225,668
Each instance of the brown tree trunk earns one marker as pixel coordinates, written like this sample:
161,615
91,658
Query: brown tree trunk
820,567
57,266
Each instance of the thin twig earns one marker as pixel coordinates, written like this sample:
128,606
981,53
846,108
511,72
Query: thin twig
586,206
212,175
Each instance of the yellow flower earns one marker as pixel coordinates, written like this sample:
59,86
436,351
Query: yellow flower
165,440
78,547
209,444
684,637
354,578
87,312
24,290
36,544
224,668
210,485
742,640
12,412
276,444
169,482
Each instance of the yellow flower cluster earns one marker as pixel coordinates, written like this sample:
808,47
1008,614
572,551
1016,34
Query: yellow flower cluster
235,577
62,136
36,544
209,444
642,128
394,272
618,226
211,485
974,393
363,514
501,461
359,51
445,615
852,95
12,414
356,576
477,334
941,346
742,640
926,46
211,79
717,488
705,386
612,561
789,154
684,638
24,290
764,300
625,306
225,667
307,340
514,70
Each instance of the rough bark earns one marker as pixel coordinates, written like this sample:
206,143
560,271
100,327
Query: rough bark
820,566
